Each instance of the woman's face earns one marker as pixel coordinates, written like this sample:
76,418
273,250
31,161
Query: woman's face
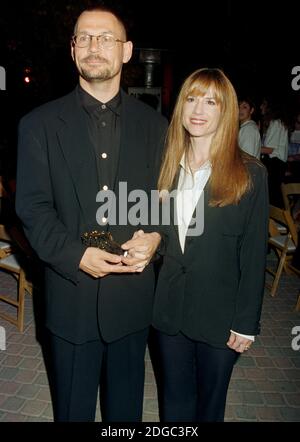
264,107
201,115
245,111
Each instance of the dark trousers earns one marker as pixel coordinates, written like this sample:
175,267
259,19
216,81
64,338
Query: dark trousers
195,379
75,372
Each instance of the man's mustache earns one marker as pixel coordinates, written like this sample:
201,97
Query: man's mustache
90,58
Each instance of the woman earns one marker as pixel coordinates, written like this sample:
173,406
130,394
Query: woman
249,136
274,147
210,287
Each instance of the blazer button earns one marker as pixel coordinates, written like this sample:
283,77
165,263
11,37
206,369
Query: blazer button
183,269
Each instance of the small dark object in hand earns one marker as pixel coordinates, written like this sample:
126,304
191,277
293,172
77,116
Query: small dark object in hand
102,240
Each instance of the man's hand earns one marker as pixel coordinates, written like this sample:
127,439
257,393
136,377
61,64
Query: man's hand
141,247
98,263
239,343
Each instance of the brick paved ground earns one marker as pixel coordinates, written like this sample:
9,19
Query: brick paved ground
265,385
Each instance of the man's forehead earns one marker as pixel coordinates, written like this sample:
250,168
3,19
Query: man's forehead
98,19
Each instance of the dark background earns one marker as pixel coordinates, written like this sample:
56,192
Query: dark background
255,42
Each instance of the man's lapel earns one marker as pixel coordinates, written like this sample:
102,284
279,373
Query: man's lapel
79,154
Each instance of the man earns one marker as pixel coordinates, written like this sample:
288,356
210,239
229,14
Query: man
98,304
249,136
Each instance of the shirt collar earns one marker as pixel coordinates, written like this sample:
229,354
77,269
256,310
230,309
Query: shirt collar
204,166
247,122
91,104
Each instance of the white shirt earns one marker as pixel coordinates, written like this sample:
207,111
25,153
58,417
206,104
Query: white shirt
277,138
249,138
189,189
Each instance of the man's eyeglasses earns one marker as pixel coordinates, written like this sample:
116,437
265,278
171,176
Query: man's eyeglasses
105,41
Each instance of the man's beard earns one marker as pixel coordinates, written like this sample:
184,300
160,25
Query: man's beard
91,73
96,74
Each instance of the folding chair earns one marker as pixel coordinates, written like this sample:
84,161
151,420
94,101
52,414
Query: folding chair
14,248
289,191
284,245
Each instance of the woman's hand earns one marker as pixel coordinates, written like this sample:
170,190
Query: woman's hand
141,247
99,263
239,343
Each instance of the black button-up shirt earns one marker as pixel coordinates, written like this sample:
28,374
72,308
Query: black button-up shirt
104,130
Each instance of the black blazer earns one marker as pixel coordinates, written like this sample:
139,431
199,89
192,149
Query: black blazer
218,283
56,201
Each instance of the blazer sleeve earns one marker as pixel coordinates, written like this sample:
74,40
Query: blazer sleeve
253,251
36,208
156,149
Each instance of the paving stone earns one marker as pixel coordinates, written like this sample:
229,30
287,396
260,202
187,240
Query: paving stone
296,362
244,385
37,419
238,372
149,377
48,412
284,341
150,417
256,373
246,361
281,332
253,398
26,376
283,386
44,394
285,324
257,351
41,366
28,391
290,414
13,349
150,406
34,408
235,397
246,413
15,337
150,391
266,332
29,340
31,351
268,341
272,399
264,362
293,399
292,374
29,363
13,404
30,330
12,361
268,414
13,417
282,362
274,374
3,398
10,388
230,413
8,373
41,379
289,352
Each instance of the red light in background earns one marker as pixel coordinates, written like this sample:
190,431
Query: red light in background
27,75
